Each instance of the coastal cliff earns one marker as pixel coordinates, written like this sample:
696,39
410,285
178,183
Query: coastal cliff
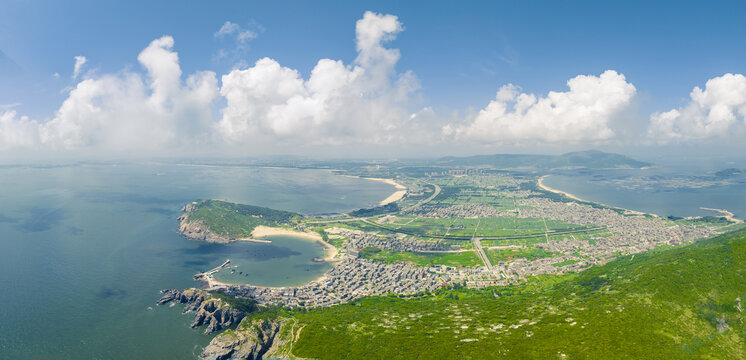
208,310
197,230
253,339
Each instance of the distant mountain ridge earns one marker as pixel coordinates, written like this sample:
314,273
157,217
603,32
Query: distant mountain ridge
592,159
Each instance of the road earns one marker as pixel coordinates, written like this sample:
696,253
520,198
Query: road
478,248
435,193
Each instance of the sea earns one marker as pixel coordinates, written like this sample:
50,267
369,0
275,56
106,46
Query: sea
678,188
86,248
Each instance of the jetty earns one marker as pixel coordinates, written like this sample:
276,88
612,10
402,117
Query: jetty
207,276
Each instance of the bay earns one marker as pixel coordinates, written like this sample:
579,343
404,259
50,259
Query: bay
85,249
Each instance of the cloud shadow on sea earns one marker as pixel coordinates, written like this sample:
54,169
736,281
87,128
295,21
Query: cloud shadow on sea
42,219
106,292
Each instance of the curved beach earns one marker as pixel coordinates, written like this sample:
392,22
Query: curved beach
396,196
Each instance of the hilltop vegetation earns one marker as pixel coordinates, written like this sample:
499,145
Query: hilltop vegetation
678,303
230,220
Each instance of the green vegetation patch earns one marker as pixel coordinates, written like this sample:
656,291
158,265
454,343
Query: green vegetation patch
529,254
237,220
682,303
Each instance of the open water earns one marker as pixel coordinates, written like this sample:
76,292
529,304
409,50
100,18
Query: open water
669,189
85,249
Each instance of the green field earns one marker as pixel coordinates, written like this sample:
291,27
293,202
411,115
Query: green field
659,305
484,227
237,220
473,190
466,258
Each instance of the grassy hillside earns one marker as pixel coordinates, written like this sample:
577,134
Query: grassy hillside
675,304
236,220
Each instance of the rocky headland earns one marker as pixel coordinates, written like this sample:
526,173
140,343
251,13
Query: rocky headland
208,310
253,339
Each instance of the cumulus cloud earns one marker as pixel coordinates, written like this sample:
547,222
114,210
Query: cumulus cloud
338,103
716,111
17,132
269,106
126,111
79,62
584,112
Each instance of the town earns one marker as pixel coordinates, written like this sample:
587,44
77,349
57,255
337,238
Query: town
583,235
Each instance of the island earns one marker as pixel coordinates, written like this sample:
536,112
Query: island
478,260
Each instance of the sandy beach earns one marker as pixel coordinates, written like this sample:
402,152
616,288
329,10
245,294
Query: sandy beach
260,232
263,231
396,196
726,214
541,185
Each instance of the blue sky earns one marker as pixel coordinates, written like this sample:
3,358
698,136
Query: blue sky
461,53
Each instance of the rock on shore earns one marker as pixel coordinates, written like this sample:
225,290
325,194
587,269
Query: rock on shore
253,339
208,310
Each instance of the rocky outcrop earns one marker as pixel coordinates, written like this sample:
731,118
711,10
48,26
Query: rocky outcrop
253,339
208,310
196,230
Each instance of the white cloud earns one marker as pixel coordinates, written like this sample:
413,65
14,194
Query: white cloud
270,106
582,113
716,111
17,132
129,111
228,28
79,62
243,35
365,102
10,106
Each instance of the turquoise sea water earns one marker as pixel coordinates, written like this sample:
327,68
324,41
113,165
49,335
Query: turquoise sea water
85,249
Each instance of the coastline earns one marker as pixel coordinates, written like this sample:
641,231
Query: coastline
258,235
261,231
401,190
541,185
725,213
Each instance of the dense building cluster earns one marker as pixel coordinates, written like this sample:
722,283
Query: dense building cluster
349,279
358,240
635,232
456,211
353,277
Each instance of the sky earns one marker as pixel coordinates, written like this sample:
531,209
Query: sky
369,79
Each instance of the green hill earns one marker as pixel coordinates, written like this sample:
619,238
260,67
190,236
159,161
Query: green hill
228,221
674,304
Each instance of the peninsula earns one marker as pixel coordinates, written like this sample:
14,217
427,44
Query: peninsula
223,222
455,263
